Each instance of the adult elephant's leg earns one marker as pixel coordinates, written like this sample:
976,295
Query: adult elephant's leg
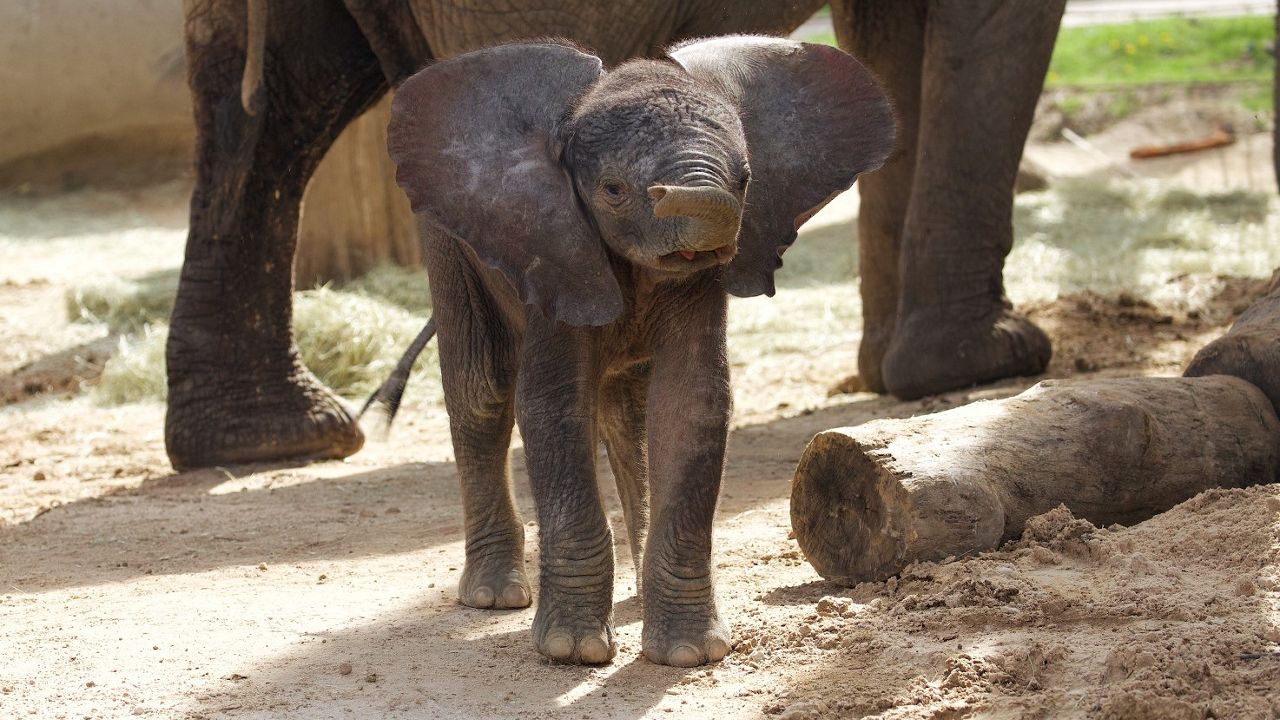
889,38
984,66
237,389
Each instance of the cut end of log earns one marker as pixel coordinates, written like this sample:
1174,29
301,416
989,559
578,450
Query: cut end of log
856,522
849,524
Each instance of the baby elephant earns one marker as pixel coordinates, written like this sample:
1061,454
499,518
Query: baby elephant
582,227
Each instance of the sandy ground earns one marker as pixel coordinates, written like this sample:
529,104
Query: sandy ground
328,591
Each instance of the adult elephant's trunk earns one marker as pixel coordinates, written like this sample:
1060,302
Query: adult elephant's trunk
255,47
714,214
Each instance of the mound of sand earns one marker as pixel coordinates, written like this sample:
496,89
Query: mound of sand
1177,617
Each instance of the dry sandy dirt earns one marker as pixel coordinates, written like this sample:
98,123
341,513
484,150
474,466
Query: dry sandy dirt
328,590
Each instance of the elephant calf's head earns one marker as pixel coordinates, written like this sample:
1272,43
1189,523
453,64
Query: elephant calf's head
660,162
543,163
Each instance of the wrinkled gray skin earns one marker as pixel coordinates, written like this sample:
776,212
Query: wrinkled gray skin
933,232
581,229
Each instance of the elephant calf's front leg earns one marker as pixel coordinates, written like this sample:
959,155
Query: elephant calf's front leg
688,420
555,409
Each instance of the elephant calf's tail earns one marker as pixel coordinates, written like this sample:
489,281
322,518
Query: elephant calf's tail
255,47
386,401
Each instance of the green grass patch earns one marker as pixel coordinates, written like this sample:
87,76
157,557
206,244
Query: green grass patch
1258,99
1174,50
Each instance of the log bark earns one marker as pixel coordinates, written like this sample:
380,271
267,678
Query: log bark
869,500
1250,349
354,216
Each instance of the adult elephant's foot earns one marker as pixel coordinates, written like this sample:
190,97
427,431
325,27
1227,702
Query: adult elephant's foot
228,416
934,351
496,580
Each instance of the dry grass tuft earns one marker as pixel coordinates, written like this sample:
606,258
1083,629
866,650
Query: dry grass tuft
124,306
1136,237
136,373
399,286
349,337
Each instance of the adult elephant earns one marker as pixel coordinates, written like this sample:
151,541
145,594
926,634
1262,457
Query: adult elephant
964,80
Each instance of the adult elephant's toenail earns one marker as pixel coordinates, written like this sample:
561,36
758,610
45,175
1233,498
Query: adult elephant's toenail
717,648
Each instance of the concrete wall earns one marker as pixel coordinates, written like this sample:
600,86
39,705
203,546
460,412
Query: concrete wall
72,70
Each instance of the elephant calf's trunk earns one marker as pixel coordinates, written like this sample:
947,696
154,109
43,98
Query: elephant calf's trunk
716,212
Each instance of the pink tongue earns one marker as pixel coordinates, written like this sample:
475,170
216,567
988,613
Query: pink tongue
688,254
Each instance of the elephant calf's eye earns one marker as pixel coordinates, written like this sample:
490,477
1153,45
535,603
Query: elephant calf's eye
614,190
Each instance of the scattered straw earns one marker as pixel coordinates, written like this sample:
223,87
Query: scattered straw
350,338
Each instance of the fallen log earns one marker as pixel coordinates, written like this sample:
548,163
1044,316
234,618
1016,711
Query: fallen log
868,500
1250,349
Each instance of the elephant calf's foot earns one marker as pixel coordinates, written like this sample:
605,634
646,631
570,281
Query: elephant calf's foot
681,624
934,351
684,637
496,581
567,633
223,418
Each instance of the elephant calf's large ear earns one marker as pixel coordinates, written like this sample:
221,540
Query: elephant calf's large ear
475,140
814,118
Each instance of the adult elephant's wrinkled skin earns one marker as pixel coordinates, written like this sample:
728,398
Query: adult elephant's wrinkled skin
581,230
934,229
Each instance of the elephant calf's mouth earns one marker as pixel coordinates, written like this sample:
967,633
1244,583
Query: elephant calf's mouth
689,260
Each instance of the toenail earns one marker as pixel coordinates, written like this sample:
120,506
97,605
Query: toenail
717,648
515,596
482,597
594,650
559,646
684,656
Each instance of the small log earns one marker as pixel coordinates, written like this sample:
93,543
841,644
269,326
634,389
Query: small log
868,500
1221,137
1250,349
